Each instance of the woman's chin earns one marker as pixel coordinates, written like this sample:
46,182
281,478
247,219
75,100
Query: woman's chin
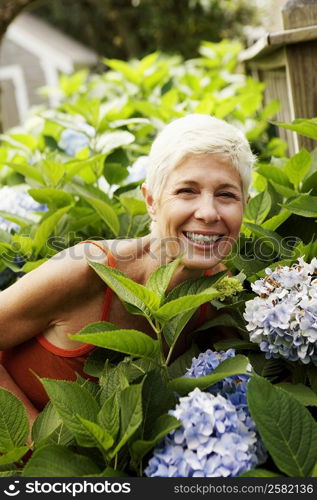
205,257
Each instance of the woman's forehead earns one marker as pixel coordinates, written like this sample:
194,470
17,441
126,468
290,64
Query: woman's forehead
208,167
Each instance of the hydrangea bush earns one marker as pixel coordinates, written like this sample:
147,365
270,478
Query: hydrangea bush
283,318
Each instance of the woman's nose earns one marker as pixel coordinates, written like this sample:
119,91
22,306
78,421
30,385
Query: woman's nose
207,210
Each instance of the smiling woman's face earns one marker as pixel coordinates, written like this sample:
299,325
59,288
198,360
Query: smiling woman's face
201,206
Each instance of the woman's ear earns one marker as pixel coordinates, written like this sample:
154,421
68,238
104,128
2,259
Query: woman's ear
149,201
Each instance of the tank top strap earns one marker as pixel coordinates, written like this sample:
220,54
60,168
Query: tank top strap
109,292
111,259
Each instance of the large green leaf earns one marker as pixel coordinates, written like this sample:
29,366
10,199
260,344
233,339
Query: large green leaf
51,197
301,392
303,126
47,227
109,416
160,278
70,400
258,207
26,170
275,174
17,219
131,414
287,429
171,309
13,455
99,436
106,213
59,461
231,366
48,428
297,167
305,205
14,426
131,342
270,238
128,290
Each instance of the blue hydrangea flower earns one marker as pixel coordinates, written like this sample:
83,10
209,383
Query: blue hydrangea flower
137,171
213,440
16,201
282,319
73,141
232,388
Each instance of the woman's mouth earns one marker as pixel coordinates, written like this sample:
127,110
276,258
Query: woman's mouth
203,240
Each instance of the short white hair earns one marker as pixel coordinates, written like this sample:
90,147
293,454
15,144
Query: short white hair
197,134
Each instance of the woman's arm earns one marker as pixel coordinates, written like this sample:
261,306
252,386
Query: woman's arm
38,299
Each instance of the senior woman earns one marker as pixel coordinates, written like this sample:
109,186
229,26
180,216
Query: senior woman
195,190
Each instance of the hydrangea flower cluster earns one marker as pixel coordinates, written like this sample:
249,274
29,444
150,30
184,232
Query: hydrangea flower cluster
283,318
72,141
218,437
213,441
17,202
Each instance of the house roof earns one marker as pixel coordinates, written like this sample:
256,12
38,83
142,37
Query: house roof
47,42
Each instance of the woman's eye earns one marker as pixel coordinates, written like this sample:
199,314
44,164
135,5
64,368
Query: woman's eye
227,195
185,190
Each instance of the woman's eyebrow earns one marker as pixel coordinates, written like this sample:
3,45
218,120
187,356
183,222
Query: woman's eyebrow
225,185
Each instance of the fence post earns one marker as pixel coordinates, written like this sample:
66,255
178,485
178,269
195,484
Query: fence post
301,64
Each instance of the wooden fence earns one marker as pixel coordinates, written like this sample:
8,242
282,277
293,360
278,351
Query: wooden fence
287,62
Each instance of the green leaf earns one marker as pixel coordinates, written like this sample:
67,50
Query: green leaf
276,221
14,424
297,167
58,461
287,429
49,428
102,439
131,342
70,400
53,172
161,427
160,278
305,205
301,392
274,174
14,455
47,227
17,219
26,170
133,206
127,290
109,416
231,366
51,197
171,309
303,126
258,207
314,471
270,238
131,414
259,473
106,213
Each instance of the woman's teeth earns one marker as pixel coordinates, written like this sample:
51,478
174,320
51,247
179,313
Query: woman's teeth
202,238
